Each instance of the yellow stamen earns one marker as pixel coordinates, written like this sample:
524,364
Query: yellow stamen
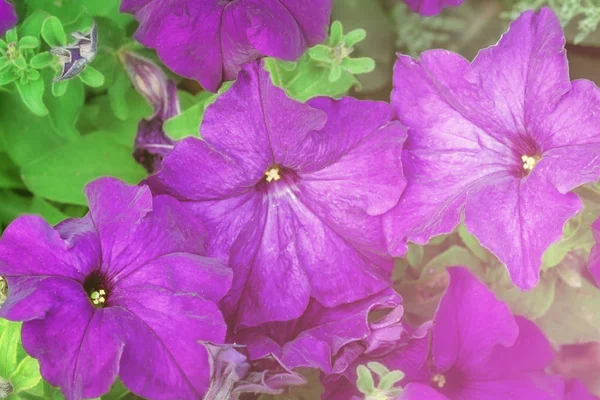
439,380
529,162
272,174
97,297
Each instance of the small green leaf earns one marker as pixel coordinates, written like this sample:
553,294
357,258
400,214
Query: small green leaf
10,338
389,380
3,45
117,391
91,77
11,36
364,382
335,33
117,94
29,42
20,62
41,60
59,88
27,375
32,94
335,73
53,32
32,25
378,368
357,35
62,174
7,76
4,62
357,66
33,75
320,53
188,122
46,210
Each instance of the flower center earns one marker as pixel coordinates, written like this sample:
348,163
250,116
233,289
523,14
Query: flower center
439,380
272,174
98,297
529,162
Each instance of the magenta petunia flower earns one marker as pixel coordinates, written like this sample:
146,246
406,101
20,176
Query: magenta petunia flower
502,140
431,7
209,40
479,350
8,16
123,291
293,193
594,260
151,141
316,339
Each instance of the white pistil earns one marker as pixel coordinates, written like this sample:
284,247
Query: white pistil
272,174
98,297
528,163
439,380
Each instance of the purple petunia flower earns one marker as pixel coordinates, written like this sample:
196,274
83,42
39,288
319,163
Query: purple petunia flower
293,193
8,16
575,390
502,140
123,291
431,7
479,350
151,142
209,40
317,338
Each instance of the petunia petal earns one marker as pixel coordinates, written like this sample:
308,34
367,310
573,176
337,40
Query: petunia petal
182,272
419,391
78,346
179,363
517,220
469,323
8,16
135,227
536,385
575,390
31,247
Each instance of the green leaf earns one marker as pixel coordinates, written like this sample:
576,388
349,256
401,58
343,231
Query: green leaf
46,210
9,173
11,36
378,368
8,76
41,60
320,53
117,94
335,73
10,339
473,244
20,62
357,35
391,379
32,25
29,42
4,62
335,33
414,255
357,66
65,110
91,77
117,391
62,174
59,88
53,32
188,122
33,75
27,375
364,381
32,94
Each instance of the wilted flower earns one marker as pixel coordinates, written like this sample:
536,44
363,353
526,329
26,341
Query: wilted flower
8,16
151,142
233,373
431,7
293,193
123,291
209,40
76,56
502,140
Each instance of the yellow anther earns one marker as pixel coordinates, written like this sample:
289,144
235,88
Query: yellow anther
97,297
439,380
272,174
529,162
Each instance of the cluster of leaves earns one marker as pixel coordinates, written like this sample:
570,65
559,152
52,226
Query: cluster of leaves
387,381
586,12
